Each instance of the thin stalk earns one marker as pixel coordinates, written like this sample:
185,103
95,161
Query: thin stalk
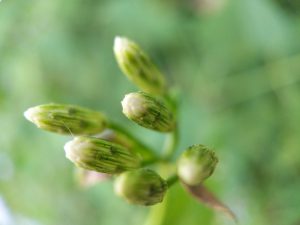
172,180
149,162
148,154
170,144
172,139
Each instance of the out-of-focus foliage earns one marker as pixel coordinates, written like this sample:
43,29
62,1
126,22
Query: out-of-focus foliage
237,63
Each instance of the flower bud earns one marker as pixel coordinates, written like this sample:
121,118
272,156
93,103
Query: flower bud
99,155
142,187
148,112
196,164
66,119
138,67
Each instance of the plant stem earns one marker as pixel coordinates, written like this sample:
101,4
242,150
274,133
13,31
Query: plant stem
149,162
173,137
172,180
148,154
170,144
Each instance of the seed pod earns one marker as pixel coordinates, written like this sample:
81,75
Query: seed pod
66,119
138,67
142,187
99,155
196,164
148,112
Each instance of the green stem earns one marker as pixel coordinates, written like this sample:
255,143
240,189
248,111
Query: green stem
147,153
173,137
172,180
171,144
149,162
171,102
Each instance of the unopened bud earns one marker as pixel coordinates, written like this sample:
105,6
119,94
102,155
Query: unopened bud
99,155
138,67
66,119
148,112
142,187
196,164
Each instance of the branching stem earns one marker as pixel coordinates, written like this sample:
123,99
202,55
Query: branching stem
147,153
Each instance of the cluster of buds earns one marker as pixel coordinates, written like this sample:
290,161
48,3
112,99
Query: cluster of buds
101,146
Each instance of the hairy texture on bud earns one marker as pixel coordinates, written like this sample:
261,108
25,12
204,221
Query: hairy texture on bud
142,187
196,164
138,67
148,112
66,119
99,155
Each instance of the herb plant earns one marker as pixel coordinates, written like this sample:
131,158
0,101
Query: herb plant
103,146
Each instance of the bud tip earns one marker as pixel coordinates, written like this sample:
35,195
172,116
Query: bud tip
132,105
31,113
120,44
72,149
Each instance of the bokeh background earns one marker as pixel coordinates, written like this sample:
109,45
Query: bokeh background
236,63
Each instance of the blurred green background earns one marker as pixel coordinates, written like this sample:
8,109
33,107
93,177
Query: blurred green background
236,62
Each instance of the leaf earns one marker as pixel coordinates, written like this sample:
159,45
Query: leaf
203,195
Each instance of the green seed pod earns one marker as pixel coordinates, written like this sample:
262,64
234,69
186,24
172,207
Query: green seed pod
99,155
148,112
138,67
66,119
196,164
142,187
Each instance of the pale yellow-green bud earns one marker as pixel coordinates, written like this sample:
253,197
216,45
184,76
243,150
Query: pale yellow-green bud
138,67
66,119
99,155
142,187
196,164
148,112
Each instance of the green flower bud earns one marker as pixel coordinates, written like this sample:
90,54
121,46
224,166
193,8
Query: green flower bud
148,112
196,164
142,187
66,119
99,155
138,67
